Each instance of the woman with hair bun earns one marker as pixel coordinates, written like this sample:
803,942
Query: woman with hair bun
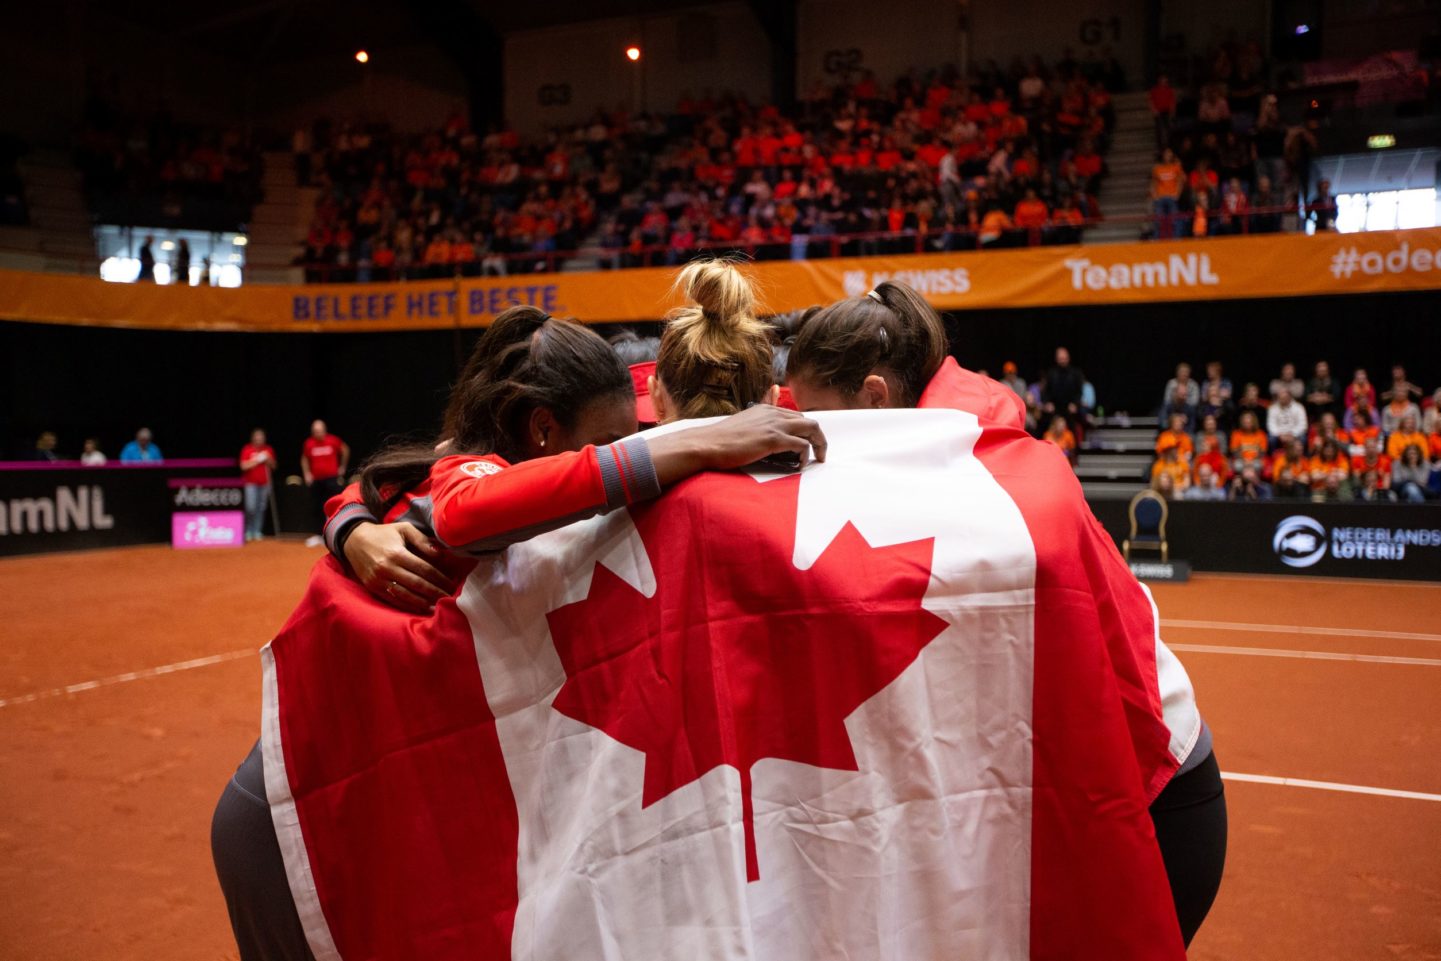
715,355
888,349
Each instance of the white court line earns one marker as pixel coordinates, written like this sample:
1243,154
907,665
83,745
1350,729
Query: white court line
1293,629
1305,655
1329,786
129,676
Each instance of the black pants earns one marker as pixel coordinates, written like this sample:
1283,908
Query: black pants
1190,819
320,492
1189,814
252,872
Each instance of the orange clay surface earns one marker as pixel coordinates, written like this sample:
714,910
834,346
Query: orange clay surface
106,792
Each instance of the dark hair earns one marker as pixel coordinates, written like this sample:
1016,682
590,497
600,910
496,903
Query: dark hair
527,360
633,348
891,329
784,330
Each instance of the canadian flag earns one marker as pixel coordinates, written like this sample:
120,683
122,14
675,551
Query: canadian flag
903,705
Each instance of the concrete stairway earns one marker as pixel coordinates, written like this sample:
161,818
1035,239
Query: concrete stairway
1125,191
20,249
1116,459
279,223
64,231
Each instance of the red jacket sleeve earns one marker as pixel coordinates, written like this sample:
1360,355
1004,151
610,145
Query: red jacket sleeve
482,504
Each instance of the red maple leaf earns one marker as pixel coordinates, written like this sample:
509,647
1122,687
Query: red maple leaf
739,655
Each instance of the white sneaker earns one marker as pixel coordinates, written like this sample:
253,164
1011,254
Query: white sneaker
314,540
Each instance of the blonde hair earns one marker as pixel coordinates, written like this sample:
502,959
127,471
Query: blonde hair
715,356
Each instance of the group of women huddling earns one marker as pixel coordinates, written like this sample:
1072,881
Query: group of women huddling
540,431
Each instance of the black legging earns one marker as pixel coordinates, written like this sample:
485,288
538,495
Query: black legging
1190,819
1189,814
252,872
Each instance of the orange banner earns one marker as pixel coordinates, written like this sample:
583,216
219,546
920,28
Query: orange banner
1274,265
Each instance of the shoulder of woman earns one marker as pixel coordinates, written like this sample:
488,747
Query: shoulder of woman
472,465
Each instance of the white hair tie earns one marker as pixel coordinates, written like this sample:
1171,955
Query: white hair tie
876,297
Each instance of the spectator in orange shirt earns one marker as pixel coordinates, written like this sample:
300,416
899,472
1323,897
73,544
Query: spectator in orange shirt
1330,470
1067,221
1327,429
1170,475
437,256
1175,435
1289,458
996,228
1248,443
1060,435
1031,214
1372,459
1167,179
1361,430
1407,435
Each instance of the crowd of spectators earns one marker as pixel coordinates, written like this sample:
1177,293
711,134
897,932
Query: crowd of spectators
1316,439
1226,161
149,168
930,162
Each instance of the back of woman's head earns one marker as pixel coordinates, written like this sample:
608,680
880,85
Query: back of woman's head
891,330
715,356
527,360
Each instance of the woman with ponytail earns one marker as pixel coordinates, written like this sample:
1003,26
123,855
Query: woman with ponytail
715,356
536,436
888,349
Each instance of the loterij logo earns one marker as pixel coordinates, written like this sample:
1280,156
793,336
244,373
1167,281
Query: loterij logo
1299,541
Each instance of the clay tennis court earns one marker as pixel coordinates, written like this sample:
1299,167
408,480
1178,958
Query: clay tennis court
130,689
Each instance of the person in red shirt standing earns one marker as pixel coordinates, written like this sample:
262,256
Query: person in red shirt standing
323,461
257,460
1163,109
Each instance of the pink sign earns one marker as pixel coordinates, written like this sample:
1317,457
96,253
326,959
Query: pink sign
190,529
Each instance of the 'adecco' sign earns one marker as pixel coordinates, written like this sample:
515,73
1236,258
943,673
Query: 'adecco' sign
1397,541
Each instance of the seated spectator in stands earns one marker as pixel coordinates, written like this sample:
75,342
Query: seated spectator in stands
996,228
1327,429
91,455
1285,486
1359,387
1215,377
1397,409
1431,414
1372,458
141,450
1248,486
45,447
1249,443
1330,473
1359,429
1213,113
1433,440
1066,221
1167,180
1322,393
1178,404
1213,404
1323,207
1286,419
1289,457
1370,487
1251,400
1265,217
1208,486
1176,435
1031,215
1212,435
1060,435
1170,475
1411,475
1407,434
1402,387
1182,380
1289,383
